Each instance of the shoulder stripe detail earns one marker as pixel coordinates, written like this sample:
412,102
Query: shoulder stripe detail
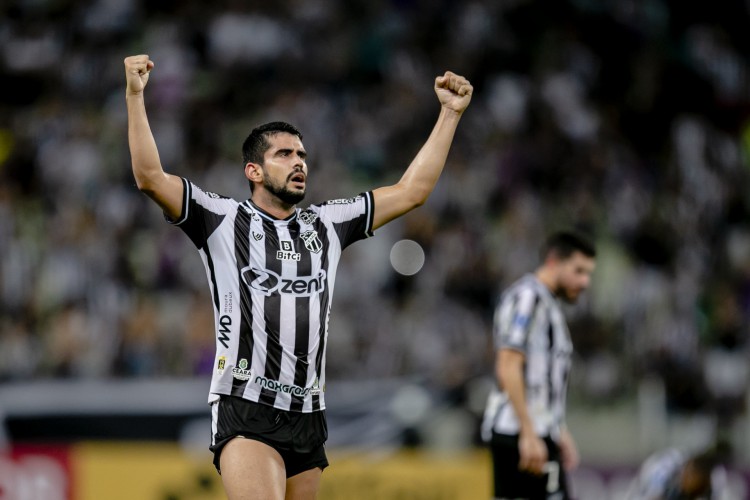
187,193
370,207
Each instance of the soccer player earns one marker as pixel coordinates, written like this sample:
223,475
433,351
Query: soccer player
524,421
674,475
271,269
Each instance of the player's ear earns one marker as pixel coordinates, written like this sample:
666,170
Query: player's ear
552,258
253,172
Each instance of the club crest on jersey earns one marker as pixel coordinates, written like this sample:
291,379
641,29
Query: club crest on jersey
287,252
311,240
240,372
308,217
315,389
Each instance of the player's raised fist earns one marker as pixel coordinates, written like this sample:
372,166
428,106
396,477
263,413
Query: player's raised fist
454,91
137,69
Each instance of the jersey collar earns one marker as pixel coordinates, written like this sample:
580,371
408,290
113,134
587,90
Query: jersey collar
266,215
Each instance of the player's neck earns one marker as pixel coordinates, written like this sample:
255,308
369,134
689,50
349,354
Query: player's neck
271,204
546,278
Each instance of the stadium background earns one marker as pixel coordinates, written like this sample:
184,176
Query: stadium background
624,118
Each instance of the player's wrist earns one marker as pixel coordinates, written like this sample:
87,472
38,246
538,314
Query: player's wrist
450,112
528,431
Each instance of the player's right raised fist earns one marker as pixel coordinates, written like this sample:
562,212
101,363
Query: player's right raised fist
137,69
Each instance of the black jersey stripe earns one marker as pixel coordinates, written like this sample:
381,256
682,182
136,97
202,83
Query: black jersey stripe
302,324
325,300
242,256
272,314
212,274
551,365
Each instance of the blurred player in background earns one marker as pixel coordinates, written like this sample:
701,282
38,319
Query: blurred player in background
524,421
674,475
271,268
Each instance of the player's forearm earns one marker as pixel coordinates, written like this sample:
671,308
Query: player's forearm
511,378
146,164
424,171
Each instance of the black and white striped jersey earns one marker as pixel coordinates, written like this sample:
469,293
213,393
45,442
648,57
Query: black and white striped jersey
659,477
271,282
529,319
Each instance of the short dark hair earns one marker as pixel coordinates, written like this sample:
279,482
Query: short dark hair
564,243
256,144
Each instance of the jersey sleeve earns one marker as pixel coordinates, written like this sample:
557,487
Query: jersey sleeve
654,475
513,319
202,212
351,217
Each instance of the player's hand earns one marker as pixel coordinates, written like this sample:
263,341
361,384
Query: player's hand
454,91
137,69
568,451
533,453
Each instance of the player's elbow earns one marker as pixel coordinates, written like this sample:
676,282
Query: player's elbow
417,202
148,183
416,196
145,185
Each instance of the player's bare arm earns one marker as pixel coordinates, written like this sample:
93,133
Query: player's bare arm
163,188
533,451
568,450
454,93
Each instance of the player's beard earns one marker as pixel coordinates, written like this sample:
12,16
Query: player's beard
284,193
571,297
563,292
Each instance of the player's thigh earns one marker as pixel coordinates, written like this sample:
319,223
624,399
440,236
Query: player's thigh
305,485
251,470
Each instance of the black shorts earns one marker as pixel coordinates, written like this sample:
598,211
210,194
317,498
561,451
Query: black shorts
298,437
510,482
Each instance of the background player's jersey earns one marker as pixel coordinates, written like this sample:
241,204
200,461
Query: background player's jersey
271,284
529,319
658,478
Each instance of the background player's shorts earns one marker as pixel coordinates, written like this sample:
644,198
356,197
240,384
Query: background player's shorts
510,482
298,437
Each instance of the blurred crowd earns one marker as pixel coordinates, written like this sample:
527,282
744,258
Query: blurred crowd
624,119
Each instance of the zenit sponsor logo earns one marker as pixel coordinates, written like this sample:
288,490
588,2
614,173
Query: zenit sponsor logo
268,282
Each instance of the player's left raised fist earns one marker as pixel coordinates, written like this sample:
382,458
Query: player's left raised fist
454,91
137,69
